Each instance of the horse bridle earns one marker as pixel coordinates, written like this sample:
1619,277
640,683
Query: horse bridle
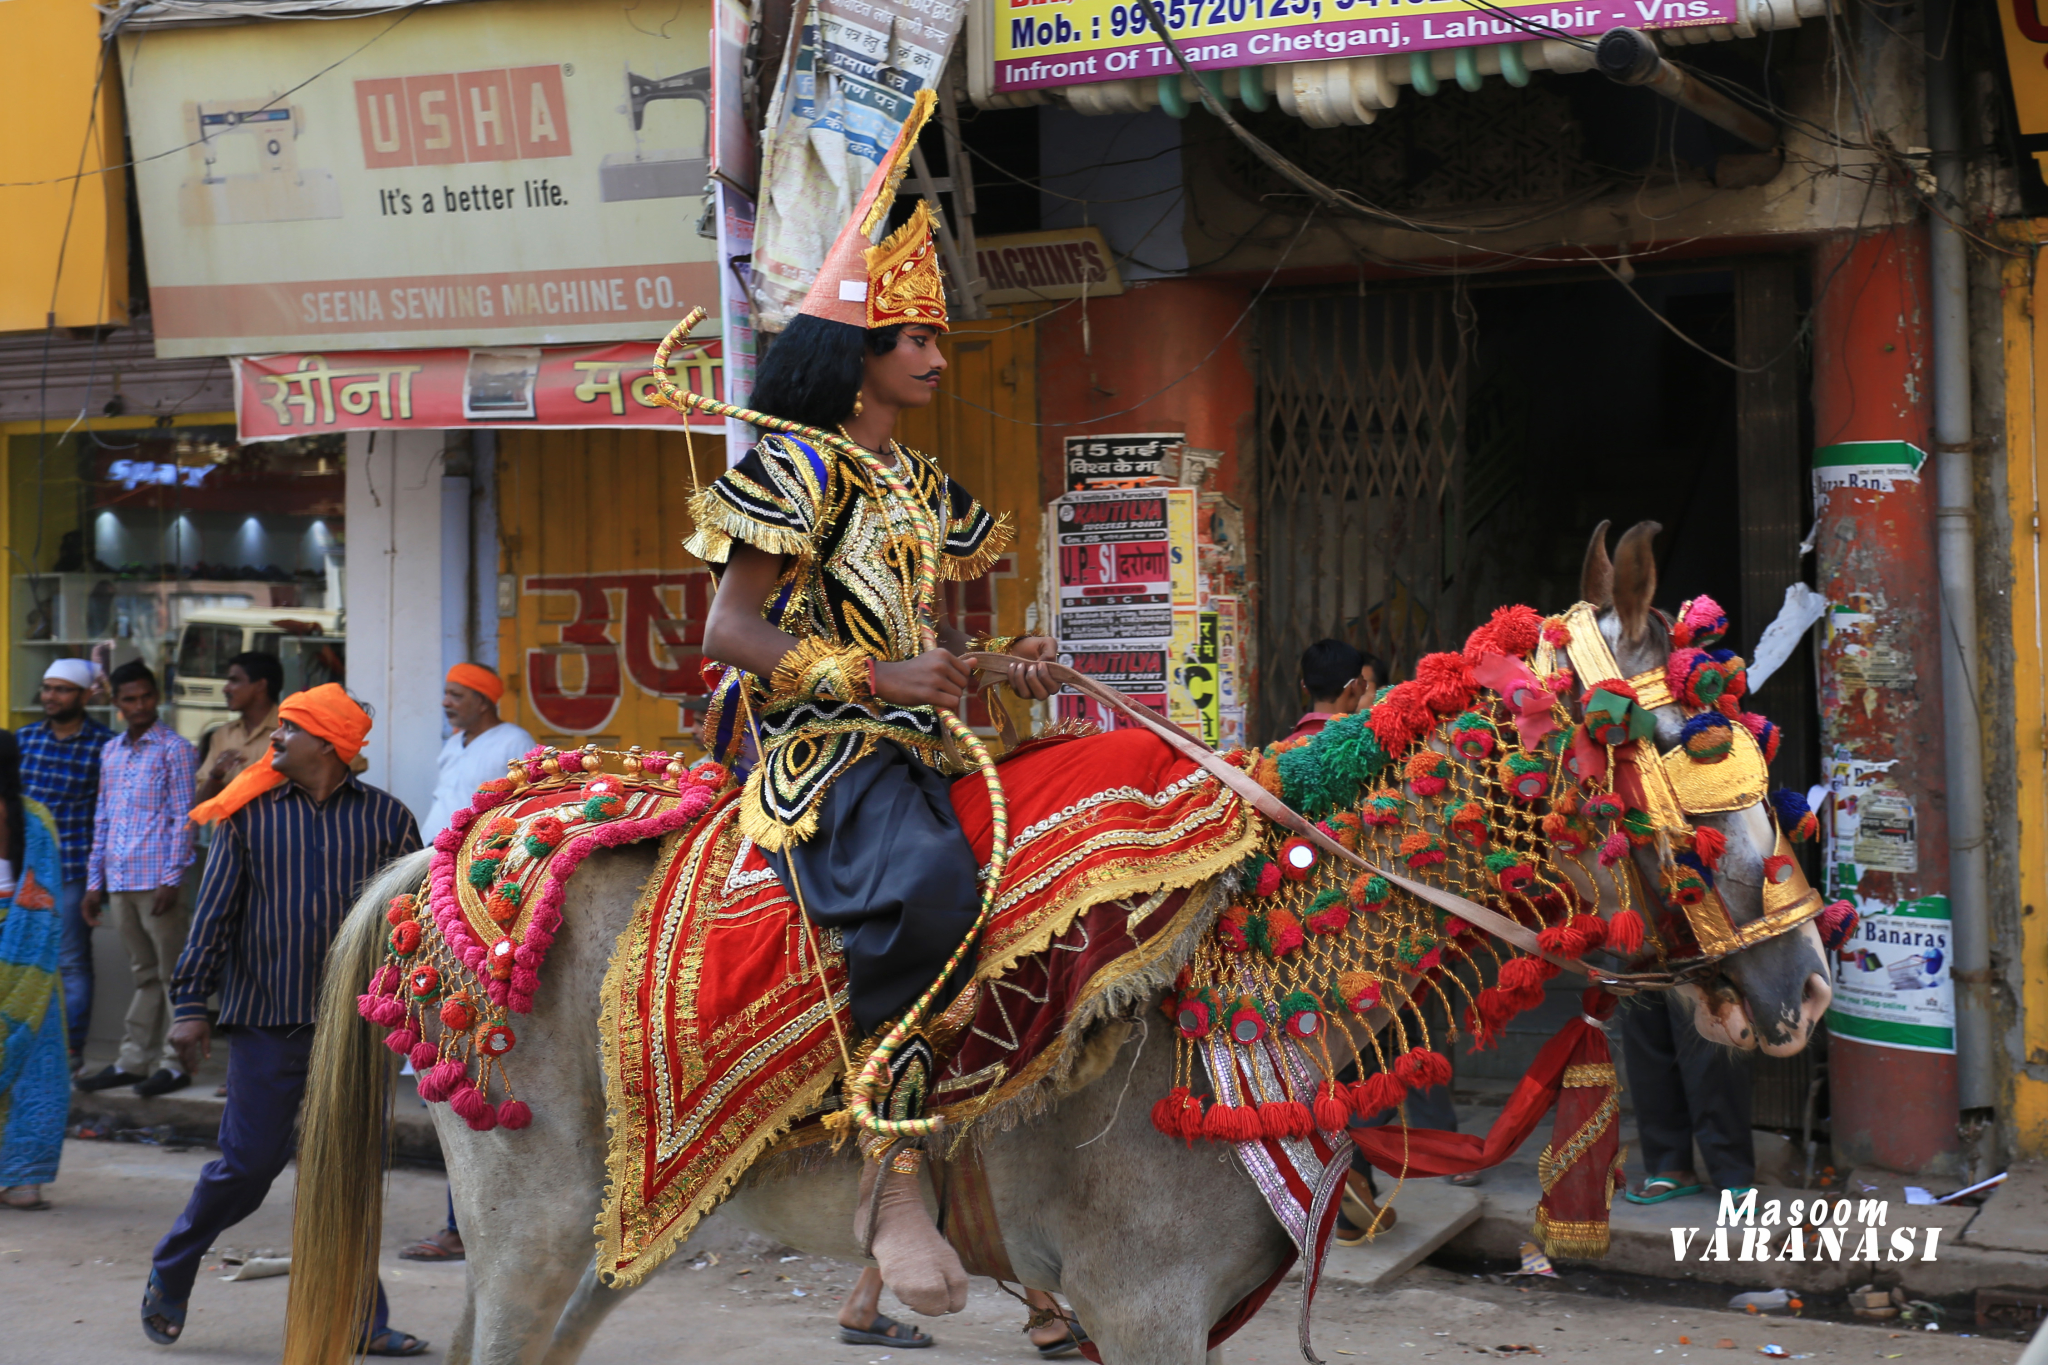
1675,787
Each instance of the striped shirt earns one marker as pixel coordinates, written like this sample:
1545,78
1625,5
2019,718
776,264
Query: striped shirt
280,879
139,840
64,774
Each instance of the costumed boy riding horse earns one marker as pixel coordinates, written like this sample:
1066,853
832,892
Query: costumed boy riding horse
830,932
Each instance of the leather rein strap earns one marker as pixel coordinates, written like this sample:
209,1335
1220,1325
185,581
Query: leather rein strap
1280,813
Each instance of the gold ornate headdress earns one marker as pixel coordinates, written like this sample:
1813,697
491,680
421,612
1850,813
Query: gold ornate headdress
898,281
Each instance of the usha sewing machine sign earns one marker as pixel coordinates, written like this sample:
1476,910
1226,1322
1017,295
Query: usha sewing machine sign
305,188
1040,43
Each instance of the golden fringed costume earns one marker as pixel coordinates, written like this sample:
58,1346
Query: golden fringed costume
847,595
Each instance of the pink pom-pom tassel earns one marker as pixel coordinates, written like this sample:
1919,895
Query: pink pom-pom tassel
439,1083
401,1041
423,1056
390,1013
1614,849
514,1114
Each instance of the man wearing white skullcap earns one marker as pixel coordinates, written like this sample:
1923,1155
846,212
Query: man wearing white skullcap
60,767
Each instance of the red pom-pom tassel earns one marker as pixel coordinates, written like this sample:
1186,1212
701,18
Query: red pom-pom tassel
1220,1123
1710,844
1375,1094
514,1114
1625,933
1421,1068
1332,1110
1285,1119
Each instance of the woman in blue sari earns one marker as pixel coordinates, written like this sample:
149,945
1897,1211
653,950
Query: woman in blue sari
35,1089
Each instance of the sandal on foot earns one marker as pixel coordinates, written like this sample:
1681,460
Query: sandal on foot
1658,1189
436,1248
1366,1216
35,1202
879,1331
1076,1334
392,1342
155,1306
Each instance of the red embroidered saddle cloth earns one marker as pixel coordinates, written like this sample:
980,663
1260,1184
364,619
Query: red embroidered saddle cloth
716,1035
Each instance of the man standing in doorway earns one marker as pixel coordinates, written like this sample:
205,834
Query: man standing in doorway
60,767
255,685
139,854
1336,679
296,838
480,746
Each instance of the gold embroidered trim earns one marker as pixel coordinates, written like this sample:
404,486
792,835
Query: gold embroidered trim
819,668
1576,1146
1586,1241
719,525
620,1031
1144,872
1589,1074
758,824
1652,689
960,568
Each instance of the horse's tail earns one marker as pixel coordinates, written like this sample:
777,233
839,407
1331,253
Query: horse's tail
340,1211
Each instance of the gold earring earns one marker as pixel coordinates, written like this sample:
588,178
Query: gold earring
856,405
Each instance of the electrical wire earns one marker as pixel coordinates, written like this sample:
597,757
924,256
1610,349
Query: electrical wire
404,12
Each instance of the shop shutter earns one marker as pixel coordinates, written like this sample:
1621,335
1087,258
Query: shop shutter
1361,432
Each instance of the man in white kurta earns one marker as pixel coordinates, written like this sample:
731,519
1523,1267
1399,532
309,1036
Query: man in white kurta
480,747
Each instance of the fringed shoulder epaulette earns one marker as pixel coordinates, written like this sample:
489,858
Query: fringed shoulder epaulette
962,568
719,523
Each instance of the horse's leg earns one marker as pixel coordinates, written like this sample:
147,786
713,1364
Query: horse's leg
526,1200
1136,1319
1153,1241
588,1307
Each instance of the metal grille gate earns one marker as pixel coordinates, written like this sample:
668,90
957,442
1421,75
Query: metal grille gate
1362,425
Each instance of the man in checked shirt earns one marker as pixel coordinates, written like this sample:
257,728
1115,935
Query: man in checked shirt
139,854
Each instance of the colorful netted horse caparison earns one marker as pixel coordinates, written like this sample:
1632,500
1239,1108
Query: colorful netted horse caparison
1522,774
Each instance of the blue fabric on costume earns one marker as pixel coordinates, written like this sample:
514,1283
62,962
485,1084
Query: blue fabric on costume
35,1072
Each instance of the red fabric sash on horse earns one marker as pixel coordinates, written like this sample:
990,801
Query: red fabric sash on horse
1579,1170
714,1031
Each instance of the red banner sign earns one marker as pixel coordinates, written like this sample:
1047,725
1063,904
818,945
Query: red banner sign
278,396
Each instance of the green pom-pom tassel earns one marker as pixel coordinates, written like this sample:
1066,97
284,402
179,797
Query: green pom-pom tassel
483,872
1325,898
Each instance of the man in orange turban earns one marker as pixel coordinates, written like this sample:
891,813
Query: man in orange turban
478,746
296,837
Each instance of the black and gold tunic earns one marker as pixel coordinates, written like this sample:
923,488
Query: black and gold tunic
849,578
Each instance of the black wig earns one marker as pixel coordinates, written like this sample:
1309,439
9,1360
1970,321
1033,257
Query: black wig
814,367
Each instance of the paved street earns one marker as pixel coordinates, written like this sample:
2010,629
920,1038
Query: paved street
74,1276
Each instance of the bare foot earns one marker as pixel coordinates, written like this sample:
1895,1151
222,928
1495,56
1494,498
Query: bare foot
24,1197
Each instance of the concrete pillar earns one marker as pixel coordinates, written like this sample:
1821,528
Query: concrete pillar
396,588
1893,1100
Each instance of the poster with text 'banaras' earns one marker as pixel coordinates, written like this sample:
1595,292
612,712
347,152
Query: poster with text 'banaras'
463,175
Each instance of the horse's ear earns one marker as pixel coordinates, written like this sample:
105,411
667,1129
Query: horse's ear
1596,579
1635,579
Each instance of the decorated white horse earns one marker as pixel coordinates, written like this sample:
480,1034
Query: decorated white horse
1579,793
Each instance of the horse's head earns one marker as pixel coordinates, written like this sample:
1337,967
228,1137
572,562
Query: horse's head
1770,994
